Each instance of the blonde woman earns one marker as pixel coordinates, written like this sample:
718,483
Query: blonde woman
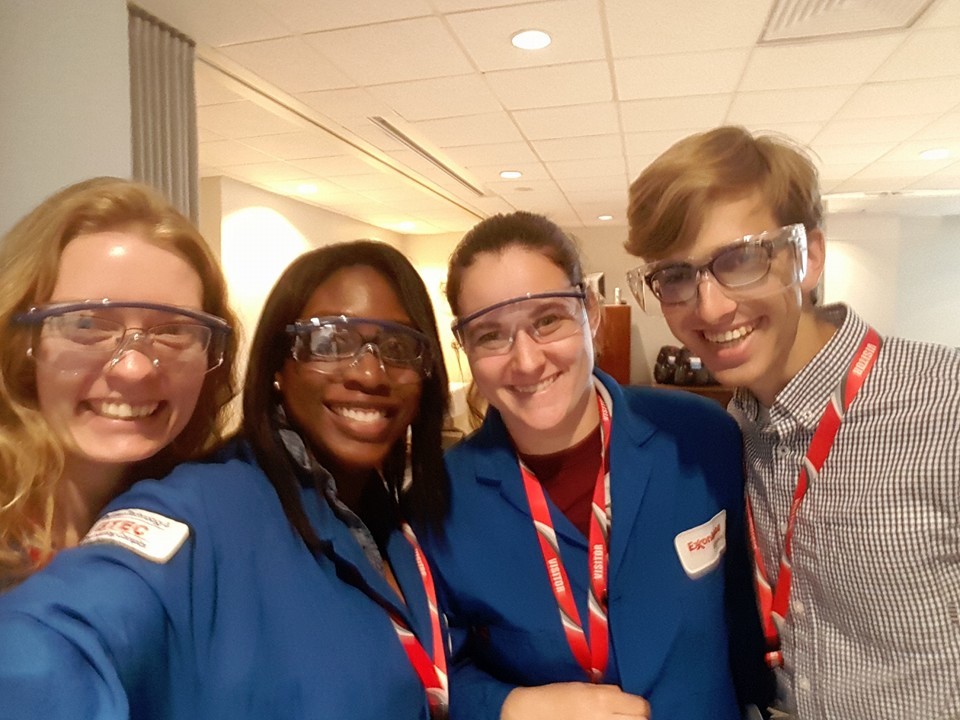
116,359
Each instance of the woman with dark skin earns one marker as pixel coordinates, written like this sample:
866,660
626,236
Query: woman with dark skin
280,580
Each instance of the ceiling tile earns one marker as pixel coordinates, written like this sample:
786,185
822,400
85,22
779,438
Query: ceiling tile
798,132
457,86
344,105
597,167
218,22
925,54
297,145
887,129
578,148
267,172
393,52
946,179
230,152
942,13
850,153
204,135
779,106
370,181
438,97
503,153
572,121
210,86
310,188
451,132
823,63
573,25
698,112
883,183
654,27
491,173
905,97
450,6
241,119
311,16
636,164
910,152
289,63
652,143
583,184
946,127
701,73
552,86
332,167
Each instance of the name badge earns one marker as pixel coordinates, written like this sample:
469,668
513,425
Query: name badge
700,548
148,534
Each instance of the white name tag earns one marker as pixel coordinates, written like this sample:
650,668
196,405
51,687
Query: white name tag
701,548
148,534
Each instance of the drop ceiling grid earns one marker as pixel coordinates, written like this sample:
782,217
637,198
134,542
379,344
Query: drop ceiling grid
443,70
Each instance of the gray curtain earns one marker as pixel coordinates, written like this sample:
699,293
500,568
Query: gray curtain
164,110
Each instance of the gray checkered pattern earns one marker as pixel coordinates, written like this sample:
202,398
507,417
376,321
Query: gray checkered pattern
874,625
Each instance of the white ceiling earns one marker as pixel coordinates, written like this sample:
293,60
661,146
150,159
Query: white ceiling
286,90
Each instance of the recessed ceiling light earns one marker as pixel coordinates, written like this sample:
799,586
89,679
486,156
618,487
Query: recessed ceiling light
604,217
510,174
406,226
935,154
306,188
530,39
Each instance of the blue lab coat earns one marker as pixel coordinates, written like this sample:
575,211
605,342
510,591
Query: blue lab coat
679,642
244,621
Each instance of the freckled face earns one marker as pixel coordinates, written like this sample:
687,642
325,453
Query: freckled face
352,418
118,414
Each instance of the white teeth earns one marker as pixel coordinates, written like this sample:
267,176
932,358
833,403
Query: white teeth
125,411
729,335
359,414
535,388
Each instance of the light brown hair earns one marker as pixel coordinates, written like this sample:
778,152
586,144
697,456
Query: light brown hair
668,201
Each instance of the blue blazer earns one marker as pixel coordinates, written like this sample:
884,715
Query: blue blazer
243,622
692,646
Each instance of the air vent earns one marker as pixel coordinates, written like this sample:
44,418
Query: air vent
400,136
809,19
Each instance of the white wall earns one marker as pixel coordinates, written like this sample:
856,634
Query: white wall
261,233
64,98
900,272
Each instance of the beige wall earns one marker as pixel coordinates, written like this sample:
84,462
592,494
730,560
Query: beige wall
64,98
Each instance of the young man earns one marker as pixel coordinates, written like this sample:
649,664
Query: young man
852,441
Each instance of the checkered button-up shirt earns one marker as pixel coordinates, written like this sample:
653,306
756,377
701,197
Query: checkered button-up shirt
873,629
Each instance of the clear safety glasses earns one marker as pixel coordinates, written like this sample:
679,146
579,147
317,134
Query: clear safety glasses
742,268
97,332
331,345
545,317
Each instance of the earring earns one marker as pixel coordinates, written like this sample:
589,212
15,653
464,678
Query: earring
276,385
29,352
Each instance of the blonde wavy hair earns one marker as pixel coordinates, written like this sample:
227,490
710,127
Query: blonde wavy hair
31,455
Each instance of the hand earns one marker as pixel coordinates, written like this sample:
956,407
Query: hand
573,701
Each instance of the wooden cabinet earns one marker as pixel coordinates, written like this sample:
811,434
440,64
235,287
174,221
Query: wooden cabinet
615,343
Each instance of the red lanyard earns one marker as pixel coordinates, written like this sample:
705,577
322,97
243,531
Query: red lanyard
593,656
432,673
774,604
